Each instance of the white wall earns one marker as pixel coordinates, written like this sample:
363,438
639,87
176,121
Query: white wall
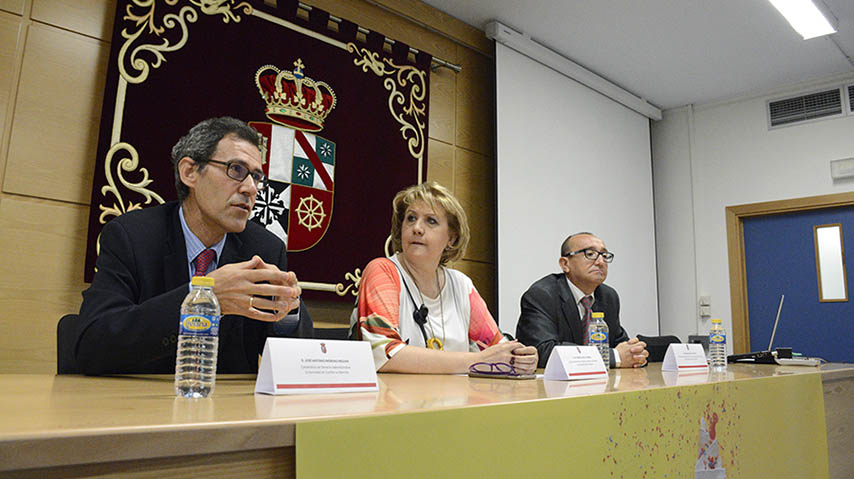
674,223
709,157
569,160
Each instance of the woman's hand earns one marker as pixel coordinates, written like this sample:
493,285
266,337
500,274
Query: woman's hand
522,358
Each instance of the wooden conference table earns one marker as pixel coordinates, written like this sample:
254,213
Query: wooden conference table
640,423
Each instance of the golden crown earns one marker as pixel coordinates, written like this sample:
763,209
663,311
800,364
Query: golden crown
294,99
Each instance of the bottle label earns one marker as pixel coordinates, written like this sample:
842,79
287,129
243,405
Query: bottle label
199,325
717,338
598,337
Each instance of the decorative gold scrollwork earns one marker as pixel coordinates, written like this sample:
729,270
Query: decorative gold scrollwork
148,17
147,22
143,14
128,164
170,21
340,289
223,7
356,278
408,109
368,60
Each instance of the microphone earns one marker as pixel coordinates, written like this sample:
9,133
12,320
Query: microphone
420,315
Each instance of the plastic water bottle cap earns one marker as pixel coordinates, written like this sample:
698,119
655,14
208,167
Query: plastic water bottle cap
202,281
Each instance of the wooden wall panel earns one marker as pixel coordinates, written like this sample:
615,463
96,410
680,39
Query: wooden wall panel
10,26
328,314
42,244
94,19
474,186
13,6
475,102
483,277
55,127
442,121
440,167
442,22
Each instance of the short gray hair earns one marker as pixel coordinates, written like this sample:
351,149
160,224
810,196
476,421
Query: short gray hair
201,141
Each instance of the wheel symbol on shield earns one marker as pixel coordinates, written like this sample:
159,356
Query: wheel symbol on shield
310,212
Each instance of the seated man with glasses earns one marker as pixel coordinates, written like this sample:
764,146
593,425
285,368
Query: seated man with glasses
556,309
128,321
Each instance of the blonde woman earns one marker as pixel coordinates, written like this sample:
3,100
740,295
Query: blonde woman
419,315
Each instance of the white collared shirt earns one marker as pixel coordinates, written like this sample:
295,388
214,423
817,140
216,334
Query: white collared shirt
579,295
194,246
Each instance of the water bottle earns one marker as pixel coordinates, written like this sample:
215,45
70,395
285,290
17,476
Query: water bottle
198,337
717,346
597,335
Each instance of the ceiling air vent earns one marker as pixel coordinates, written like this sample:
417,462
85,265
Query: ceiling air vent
851,98
805,107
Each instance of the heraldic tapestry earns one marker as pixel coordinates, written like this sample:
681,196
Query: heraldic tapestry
344,123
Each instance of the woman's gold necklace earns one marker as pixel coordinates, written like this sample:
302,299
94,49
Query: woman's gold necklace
433,342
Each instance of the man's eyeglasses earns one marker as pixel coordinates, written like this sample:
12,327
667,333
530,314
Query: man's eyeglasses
592,254
239,171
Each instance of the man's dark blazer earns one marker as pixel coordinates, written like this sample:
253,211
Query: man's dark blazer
550,316
128,322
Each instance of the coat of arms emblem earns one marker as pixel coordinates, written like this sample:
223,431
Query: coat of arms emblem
300,164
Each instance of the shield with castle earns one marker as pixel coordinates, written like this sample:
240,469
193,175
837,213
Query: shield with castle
300,164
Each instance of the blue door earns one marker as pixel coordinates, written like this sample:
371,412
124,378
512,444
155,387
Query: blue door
779,255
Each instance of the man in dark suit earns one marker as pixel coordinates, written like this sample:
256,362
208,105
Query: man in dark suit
555,307
128,322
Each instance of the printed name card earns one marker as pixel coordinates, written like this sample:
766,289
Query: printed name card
684,357
574,363
315,366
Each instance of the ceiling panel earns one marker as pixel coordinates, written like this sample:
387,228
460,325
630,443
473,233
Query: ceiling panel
675,52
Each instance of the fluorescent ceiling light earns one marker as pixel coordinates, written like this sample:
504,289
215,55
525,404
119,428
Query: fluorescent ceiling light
806,18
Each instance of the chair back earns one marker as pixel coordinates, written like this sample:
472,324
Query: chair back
657,346
331,333
66,363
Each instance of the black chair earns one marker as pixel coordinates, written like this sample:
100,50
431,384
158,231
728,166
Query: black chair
657,346
700,339
66,363
331,333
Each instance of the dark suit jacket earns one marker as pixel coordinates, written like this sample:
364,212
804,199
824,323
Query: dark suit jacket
128,322
550,316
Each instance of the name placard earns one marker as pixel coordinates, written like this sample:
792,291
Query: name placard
575,363
315,366
684,357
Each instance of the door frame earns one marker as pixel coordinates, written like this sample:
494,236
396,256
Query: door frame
735,251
